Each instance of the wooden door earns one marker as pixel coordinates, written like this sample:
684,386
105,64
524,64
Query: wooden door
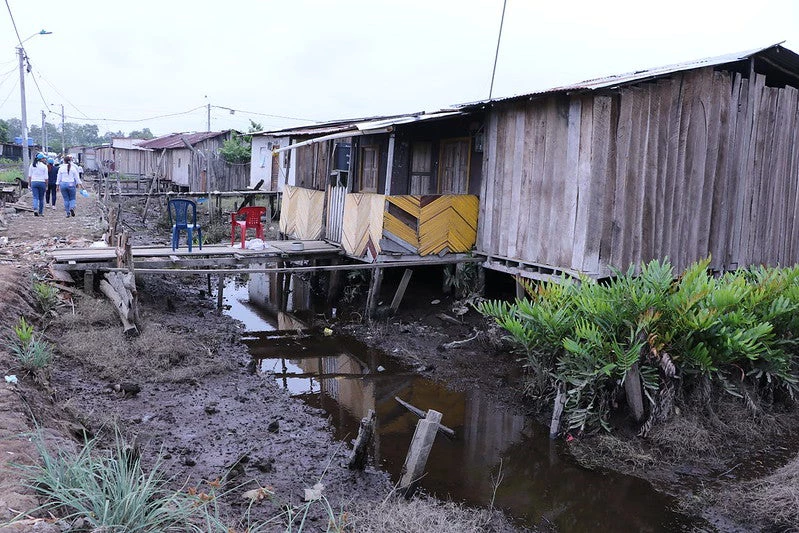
421,168
453,171
369,164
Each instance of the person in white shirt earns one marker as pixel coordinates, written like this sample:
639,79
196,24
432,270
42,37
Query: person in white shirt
68,181
37,179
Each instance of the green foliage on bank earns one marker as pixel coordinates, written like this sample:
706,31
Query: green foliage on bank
670,333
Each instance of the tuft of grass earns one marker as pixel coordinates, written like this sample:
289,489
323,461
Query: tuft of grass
32,354
771,500
108,490
46,295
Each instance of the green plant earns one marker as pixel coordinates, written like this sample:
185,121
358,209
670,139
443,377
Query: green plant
10,175
108,490
463,278
46,295
32,353
589,339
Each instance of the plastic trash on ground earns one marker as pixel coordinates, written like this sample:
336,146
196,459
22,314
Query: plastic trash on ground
255,244
84,193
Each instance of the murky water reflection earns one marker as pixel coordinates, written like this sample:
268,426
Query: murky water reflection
540,485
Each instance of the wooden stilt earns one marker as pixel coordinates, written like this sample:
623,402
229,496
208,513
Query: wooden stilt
360,450
415,461
88,282
403,285
481,280
520,291
374,292
209,284
220,292
334,283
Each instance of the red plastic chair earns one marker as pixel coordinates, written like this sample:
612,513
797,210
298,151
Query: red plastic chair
252,219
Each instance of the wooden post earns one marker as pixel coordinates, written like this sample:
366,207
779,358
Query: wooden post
422,442
481,280
403,285
557,412
209,284
449,432
632,389
334,282
220,291
520,290
360,450
374,292
88,282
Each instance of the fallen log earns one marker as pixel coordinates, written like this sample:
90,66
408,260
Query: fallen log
449,432
123,308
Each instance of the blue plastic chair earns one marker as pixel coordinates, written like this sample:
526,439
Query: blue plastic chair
180,220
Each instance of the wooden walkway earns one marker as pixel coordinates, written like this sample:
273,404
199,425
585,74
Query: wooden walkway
211,256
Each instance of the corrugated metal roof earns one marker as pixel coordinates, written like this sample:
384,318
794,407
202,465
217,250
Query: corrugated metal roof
175,140
361,124
776,55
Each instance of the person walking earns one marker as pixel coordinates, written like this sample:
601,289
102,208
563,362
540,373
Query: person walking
52,176
37,179
68,180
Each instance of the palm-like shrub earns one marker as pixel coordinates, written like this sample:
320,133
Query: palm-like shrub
653,333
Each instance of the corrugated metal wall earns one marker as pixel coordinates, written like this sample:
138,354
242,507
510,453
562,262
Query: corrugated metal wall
702,162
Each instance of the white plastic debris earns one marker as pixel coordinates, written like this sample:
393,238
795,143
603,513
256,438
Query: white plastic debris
98,244
314,493
12,379
435,302
255,244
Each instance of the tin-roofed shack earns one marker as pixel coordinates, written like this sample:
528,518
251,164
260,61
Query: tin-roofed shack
192,162
681,162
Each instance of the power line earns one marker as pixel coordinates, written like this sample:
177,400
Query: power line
496,55
264,114
139,119
13,88
13,23
39,89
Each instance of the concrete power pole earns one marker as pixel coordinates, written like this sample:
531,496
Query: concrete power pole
63,143
44,132
25,154
209,117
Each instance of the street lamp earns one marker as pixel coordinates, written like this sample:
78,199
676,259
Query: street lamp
21,52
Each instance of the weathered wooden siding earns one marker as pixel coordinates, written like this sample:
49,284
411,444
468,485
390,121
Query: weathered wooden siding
703,162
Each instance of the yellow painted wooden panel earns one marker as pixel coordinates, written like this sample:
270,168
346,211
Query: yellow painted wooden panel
410,204
448,223
401,230
362,227
301,213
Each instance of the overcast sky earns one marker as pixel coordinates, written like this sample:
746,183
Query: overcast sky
112,61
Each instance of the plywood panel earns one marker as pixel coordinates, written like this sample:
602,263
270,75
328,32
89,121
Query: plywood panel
301,213
362,226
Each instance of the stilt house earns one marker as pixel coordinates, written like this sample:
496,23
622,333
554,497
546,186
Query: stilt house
683,161
125,156
384,187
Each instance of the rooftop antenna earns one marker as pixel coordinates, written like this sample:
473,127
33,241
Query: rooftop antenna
496,55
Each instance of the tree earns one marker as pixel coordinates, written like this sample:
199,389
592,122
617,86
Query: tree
143,134
4,131
235,150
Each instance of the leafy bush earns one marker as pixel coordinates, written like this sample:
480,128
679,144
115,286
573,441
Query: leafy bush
235,150
586,338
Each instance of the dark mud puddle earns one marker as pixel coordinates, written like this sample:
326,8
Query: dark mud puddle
496,456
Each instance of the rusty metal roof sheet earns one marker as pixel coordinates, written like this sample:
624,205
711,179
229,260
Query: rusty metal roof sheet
775,55
175,140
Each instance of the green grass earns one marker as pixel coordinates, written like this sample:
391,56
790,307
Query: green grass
10,175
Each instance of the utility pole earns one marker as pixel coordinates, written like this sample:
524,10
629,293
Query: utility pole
44,132
209,117
25,154
63,144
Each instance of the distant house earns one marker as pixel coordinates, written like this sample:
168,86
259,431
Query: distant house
125,156
192,161
11,151
680,161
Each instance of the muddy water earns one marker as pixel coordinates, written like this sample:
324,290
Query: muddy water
539,484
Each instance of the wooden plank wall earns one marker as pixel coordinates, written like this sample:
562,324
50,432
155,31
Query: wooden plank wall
703,162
